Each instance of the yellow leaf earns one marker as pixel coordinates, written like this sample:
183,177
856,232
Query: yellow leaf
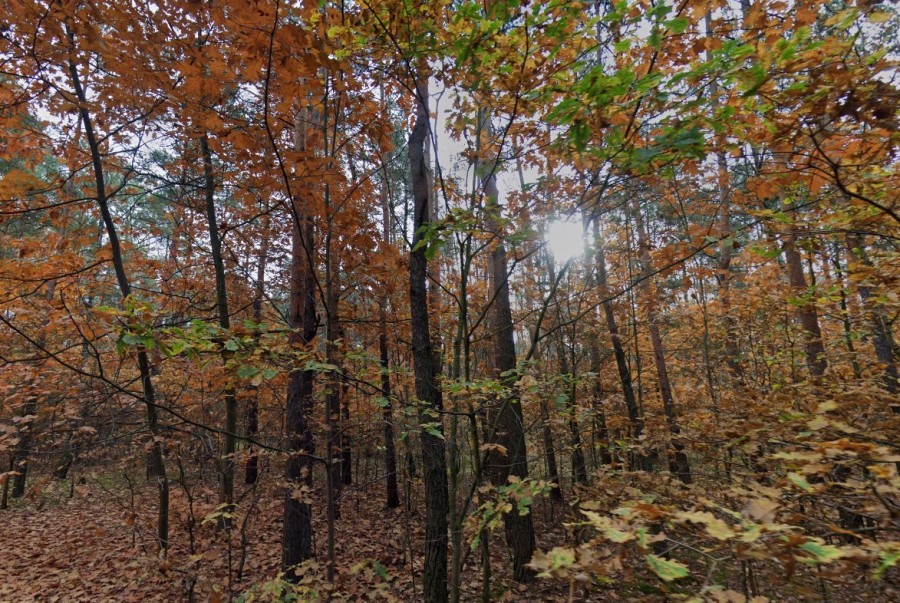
714,526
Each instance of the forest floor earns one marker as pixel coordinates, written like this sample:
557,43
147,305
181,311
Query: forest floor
94,541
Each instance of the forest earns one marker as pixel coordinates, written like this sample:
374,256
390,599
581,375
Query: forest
449,300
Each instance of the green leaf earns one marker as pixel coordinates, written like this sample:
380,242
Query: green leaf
245,371
432,428
380,569
666,569
677,25
560,557
889,558
822,553
800,481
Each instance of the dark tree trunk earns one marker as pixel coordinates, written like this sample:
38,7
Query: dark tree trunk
579,466
346,440
635,418
846,322
157,463
506,424
297,539
550,451
594,356
252,469
298,532
19,461
215,243
428,389
678,460
333,391
882,336
390,451
806,312
387,413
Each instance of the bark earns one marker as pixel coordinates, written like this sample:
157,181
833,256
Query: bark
428,389
845,312
594,357
215,243
550,451
19,460
390,451
806,311
635,417
252,469
333,392
507,421
678,460
297,535
882,335
157,466
732,350
387,413
579,467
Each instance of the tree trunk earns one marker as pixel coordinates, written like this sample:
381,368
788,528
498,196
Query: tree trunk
639,460
252,469
507,424
594,357
845,311
579,467
390,452
149,395
550,451
678,460
333,392
427,387
19,460
806,311
882,336
387,413
298,532
215,242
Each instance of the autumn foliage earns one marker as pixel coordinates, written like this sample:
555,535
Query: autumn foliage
282,317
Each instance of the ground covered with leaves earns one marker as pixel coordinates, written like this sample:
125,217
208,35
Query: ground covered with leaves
93,540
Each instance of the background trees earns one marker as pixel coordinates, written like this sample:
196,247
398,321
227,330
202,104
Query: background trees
310,239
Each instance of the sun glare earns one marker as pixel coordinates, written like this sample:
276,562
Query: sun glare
566,239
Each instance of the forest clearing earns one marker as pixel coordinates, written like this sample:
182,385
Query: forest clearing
399,300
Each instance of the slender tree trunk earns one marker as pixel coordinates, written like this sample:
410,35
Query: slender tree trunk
882,336
635,417
298,532
427,387
333,391
678,460
148,393
806,312
594,356
579,468
252,469
509,429
215,243
19,459
387,413
550,451
390,451
732,349
845,312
